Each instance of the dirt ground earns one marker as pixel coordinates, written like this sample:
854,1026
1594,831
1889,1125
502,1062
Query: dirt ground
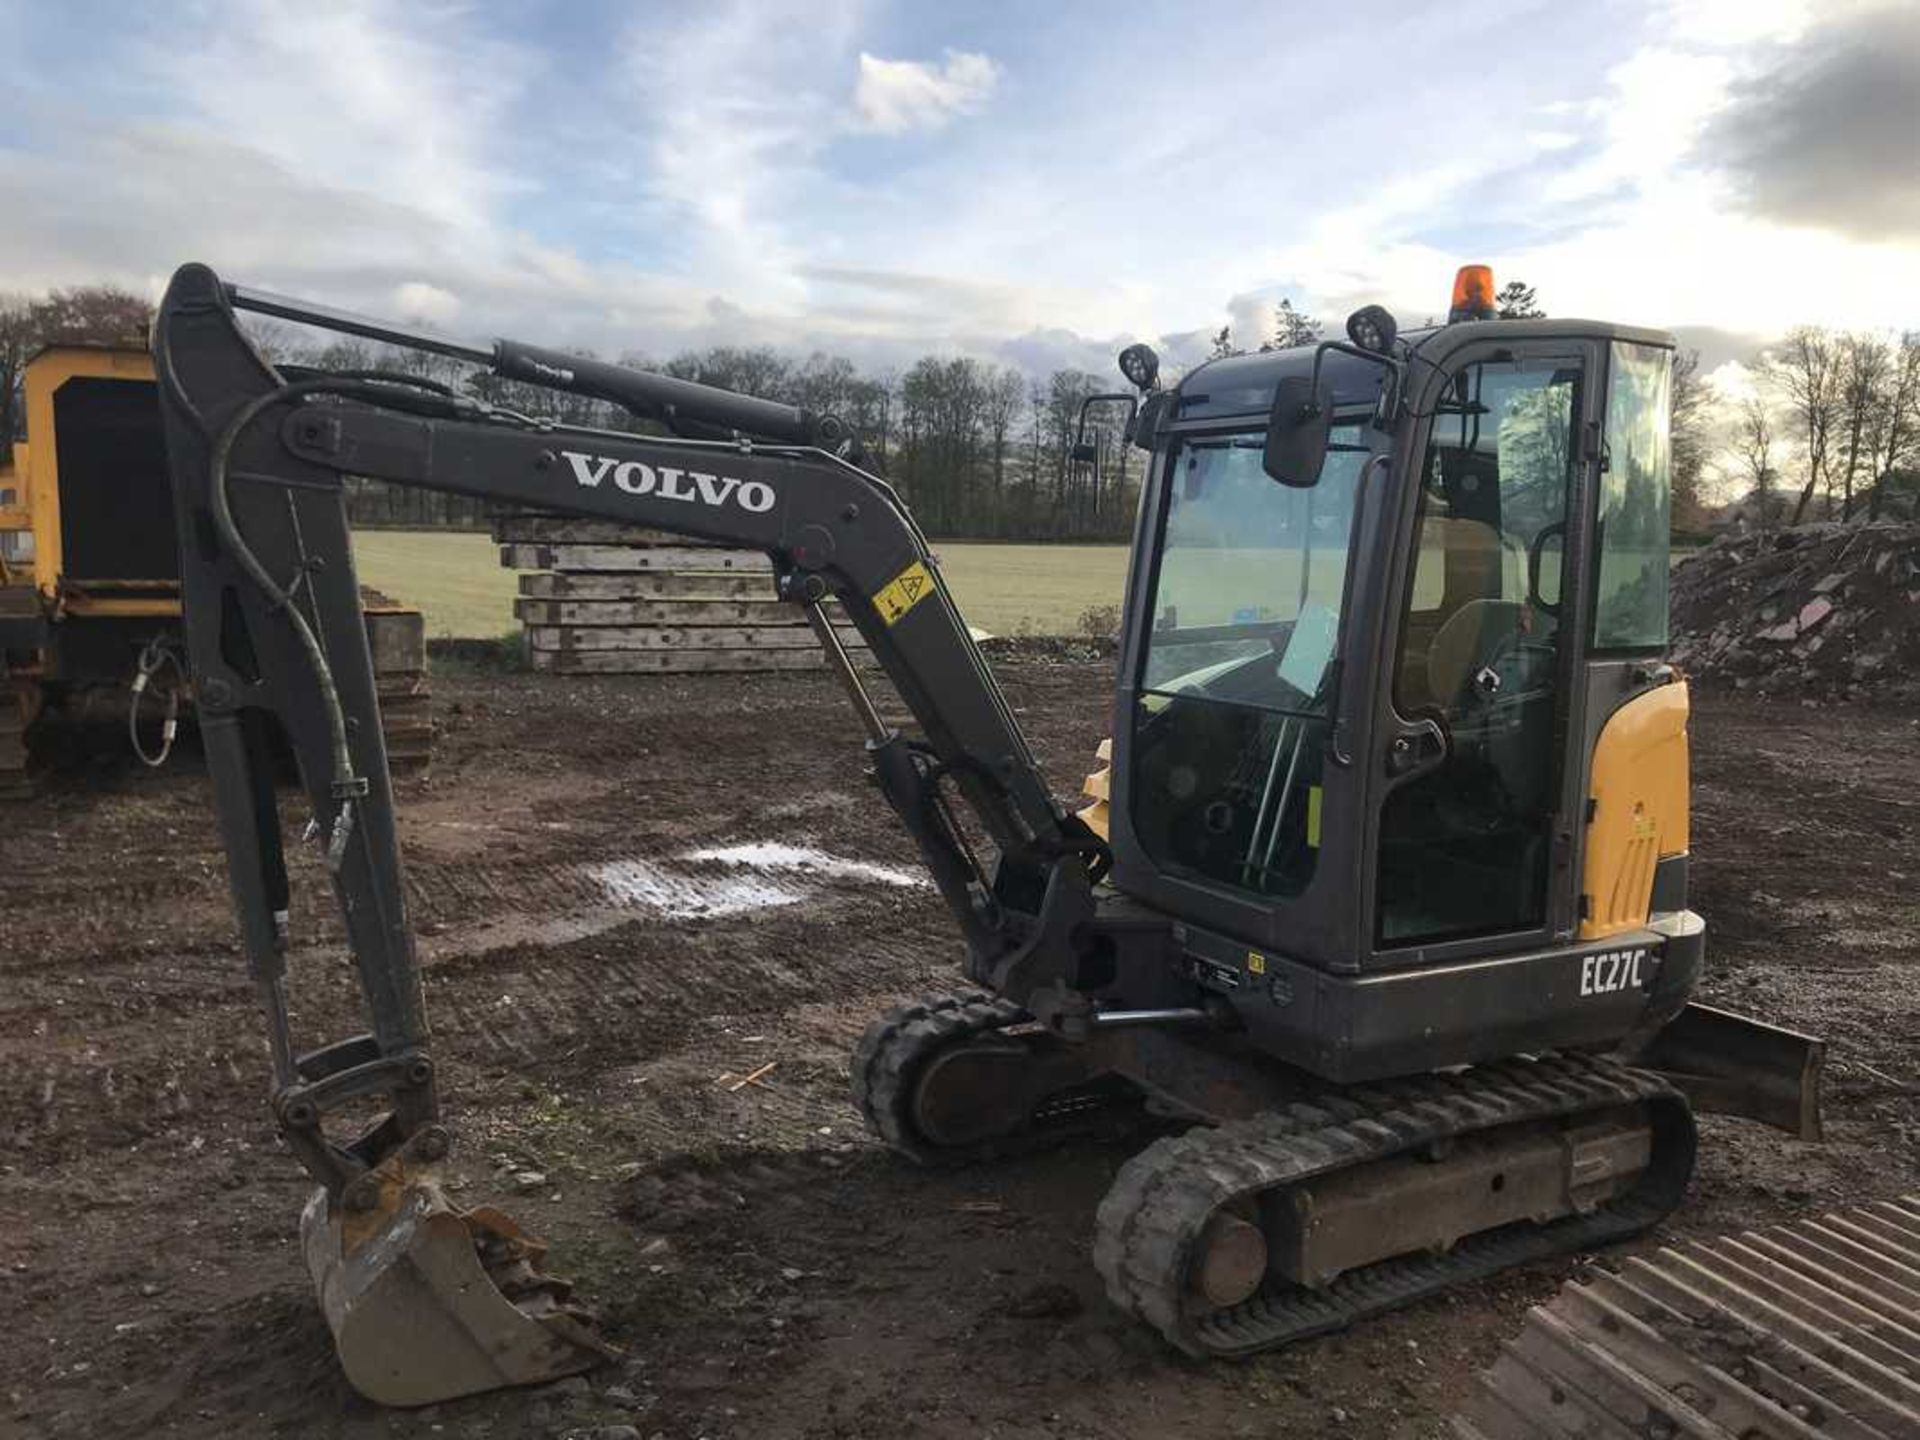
593,973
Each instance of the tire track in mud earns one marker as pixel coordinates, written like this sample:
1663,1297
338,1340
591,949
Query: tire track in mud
524,1004
542,971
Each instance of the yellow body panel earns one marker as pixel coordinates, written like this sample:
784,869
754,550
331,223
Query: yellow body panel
15,513
36,470
1097,788
1639,805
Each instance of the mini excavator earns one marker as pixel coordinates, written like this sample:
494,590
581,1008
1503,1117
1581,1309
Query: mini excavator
1381,919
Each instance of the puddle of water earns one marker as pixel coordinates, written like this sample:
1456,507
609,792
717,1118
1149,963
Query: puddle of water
771,855
647,885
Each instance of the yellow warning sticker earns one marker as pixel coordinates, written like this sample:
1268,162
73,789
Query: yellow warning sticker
1314,795
1256,963
903,592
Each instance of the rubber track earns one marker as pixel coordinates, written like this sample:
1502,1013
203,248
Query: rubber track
887,1062
14,784
1808,1331
1152,1217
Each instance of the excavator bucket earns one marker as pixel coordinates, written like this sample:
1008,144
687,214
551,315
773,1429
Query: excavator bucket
428,1302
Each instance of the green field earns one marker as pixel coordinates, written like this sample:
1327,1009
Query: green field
458,581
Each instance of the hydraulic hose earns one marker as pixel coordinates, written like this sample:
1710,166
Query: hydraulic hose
344,784
156,656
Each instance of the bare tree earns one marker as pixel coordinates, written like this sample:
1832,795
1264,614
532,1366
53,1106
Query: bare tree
1754,445
1291,327
1516,301
1223,345
1688,409
1805,370
93,315
1901,434
1005,390
16,344
1866,365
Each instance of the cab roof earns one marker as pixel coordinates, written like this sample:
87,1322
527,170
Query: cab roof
1242,385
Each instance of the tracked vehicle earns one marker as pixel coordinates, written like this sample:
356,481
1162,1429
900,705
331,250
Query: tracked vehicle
89,582
1384,912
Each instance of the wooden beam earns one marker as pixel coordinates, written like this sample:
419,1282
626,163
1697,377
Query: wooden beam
647,586
649,637
576,530
758,611
669,662
632,558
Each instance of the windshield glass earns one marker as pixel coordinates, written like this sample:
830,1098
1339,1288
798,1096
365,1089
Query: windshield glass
1250,567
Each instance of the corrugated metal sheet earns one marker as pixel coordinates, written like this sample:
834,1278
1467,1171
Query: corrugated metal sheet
1808,1331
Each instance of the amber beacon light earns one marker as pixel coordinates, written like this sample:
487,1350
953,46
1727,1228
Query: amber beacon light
1472,293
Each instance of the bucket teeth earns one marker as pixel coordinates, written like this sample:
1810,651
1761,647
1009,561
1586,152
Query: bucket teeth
428,1302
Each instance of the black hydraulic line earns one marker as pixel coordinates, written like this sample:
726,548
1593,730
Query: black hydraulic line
305,312
684,406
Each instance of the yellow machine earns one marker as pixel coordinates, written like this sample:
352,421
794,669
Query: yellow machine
90,574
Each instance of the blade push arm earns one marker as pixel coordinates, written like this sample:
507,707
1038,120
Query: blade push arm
274,631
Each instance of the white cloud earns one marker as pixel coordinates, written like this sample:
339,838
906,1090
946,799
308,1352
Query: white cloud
729,175
1654,109
416,300
707,176
1737,22
377,99
898,95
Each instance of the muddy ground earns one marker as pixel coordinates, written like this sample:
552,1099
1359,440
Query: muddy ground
768,1271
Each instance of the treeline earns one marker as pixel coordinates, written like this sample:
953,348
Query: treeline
1831,430
89,314
978,450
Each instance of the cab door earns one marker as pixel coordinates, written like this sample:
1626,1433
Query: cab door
1475,785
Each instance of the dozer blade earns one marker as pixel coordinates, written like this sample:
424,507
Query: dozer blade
1734,1065
428,1302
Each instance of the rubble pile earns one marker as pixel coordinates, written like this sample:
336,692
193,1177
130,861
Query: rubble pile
1817,612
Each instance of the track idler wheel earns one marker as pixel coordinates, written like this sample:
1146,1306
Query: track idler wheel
427,1302
961,1078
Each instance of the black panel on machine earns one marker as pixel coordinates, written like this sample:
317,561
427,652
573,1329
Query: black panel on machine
116,512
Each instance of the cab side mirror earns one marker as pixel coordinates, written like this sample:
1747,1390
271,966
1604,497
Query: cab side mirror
1297,431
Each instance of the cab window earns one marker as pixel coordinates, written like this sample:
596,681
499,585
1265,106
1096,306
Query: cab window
1630,604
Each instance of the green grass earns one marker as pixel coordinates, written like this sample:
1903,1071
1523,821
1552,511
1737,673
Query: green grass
455,578
1042,588
458,581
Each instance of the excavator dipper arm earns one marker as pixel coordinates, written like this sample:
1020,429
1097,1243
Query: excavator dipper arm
275,637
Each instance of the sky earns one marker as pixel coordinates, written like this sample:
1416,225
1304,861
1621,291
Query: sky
1035,185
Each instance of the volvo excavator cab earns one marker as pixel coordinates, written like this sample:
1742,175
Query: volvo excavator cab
1388,924
1358,718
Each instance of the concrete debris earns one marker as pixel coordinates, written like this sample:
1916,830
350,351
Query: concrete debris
1819,613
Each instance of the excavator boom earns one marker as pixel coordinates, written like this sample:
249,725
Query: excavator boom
272,620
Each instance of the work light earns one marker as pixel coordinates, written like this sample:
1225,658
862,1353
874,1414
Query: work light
1140,365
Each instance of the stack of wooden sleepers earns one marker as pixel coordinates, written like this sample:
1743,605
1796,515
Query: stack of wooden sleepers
604,598
397,636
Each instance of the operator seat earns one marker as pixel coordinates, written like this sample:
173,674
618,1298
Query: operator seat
1472,634
1459,557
